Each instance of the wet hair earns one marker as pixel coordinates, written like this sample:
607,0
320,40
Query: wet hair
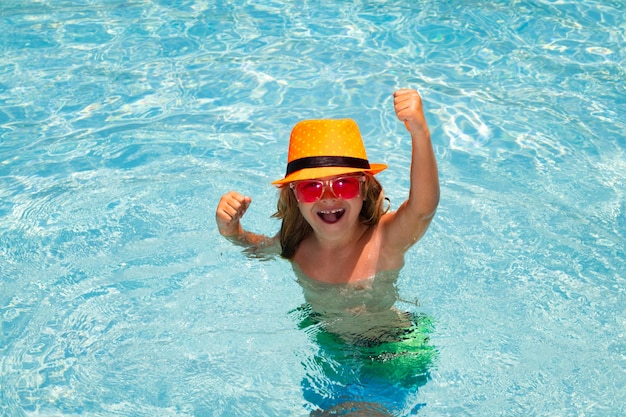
294,228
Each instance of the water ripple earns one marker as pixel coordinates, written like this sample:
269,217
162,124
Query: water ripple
122,122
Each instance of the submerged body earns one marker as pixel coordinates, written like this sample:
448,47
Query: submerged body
355,311
364,341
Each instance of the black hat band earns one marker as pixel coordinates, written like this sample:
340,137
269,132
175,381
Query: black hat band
326,161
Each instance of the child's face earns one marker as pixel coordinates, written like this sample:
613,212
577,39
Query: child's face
330,204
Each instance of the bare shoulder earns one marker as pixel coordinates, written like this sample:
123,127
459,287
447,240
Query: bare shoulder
399,231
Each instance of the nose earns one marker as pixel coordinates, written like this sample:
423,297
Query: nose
327,193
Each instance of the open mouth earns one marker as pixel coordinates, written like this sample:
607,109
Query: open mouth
331,216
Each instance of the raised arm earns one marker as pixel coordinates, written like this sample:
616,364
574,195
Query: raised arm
409,223
230,209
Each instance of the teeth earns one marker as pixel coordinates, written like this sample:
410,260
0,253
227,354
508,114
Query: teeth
331,211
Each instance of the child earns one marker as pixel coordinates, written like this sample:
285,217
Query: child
347,250
334,228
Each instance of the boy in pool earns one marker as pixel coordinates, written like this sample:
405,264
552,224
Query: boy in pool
334,227
347,250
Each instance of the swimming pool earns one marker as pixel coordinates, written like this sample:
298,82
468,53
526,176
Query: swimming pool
122,122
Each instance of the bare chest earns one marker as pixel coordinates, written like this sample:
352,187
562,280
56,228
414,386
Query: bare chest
358,261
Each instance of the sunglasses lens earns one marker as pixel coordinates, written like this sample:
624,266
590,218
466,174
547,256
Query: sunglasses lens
309,191
347,187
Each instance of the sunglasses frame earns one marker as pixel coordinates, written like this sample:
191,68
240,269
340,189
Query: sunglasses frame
327,183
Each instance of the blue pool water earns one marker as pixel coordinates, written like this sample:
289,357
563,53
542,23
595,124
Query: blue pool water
122,122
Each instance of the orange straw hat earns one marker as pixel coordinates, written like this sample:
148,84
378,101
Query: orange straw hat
325,148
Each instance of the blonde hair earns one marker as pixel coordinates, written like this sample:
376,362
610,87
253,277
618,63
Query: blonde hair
294,228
